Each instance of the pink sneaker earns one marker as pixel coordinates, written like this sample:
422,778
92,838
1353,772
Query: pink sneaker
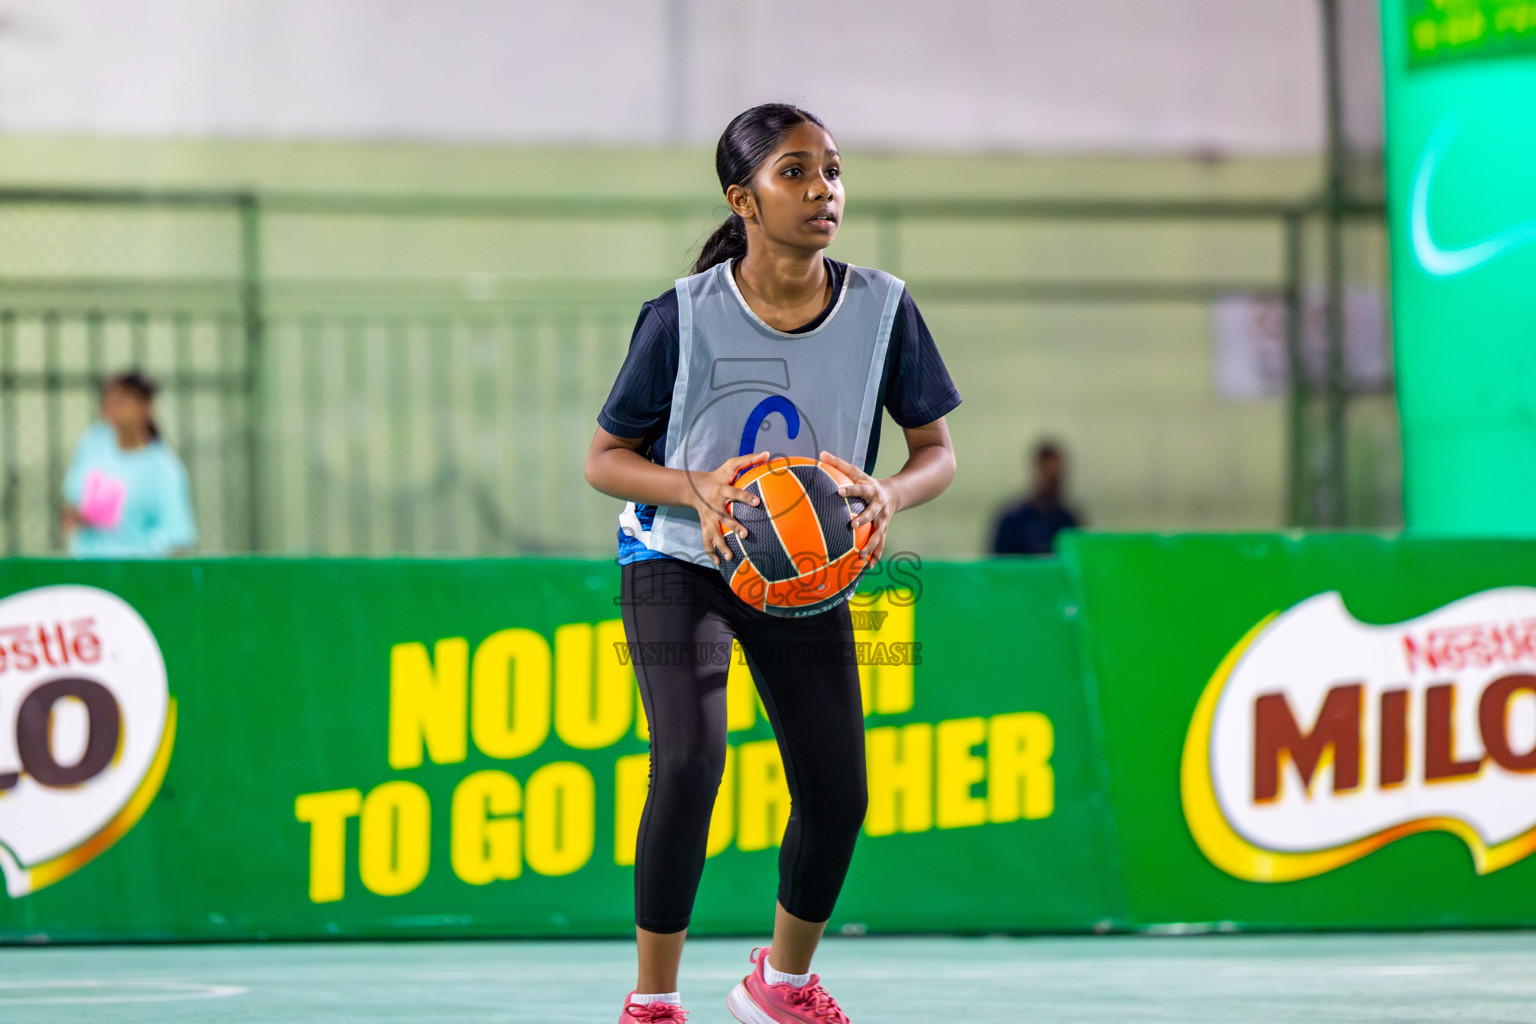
754,1001
655,1013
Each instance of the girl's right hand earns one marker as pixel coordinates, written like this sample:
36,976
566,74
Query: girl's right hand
711,491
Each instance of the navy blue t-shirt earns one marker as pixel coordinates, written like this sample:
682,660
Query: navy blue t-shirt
1030,528
915,386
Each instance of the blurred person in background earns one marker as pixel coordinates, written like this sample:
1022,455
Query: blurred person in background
1030,527
126,492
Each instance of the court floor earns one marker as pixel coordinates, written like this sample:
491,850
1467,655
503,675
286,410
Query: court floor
1489,978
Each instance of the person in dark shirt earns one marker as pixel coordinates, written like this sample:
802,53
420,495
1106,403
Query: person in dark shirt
1031,526
822,346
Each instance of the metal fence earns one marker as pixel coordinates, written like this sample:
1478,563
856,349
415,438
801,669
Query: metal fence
92,282
342,375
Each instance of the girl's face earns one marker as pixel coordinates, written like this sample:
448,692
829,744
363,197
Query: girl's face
125,409
797,195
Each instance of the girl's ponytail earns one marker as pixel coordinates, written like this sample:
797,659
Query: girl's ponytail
729,242
746,143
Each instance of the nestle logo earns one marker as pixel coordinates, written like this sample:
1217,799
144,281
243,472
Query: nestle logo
49,645
1481,645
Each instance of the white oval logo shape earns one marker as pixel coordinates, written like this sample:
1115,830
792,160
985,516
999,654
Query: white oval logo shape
87,723
1320,738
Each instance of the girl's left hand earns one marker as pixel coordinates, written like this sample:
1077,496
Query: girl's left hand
880,502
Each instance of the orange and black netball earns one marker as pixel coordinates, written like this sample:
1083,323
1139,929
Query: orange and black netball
801,554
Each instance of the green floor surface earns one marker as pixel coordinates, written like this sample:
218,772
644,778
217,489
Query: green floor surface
1489,978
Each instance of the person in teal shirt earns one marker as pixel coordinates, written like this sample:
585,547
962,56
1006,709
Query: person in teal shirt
126,492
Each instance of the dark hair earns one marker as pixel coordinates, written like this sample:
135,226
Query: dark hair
744,145
1047,449
141,387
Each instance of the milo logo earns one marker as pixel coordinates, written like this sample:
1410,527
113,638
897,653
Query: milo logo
86,728
1321,739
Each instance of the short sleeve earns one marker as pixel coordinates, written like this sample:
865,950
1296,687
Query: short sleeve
918,389
641,400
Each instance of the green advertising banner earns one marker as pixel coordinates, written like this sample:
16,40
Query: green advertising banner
1461,154
1153,732
1316,732
294,749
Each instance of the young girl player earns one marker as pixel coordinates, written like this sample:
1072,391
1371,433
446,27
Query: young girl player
768,347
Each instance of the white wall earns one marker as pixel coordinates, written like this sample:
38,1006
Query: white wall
1099,75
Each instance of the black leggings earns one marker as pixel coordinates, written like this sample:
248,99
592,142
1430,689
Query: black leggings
678,616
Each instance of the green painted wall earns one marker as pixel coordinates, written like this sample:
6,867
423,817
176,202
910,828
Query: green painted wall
1128,384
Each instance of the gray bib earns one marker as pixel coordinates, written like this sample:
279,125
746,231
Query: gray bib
744,387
